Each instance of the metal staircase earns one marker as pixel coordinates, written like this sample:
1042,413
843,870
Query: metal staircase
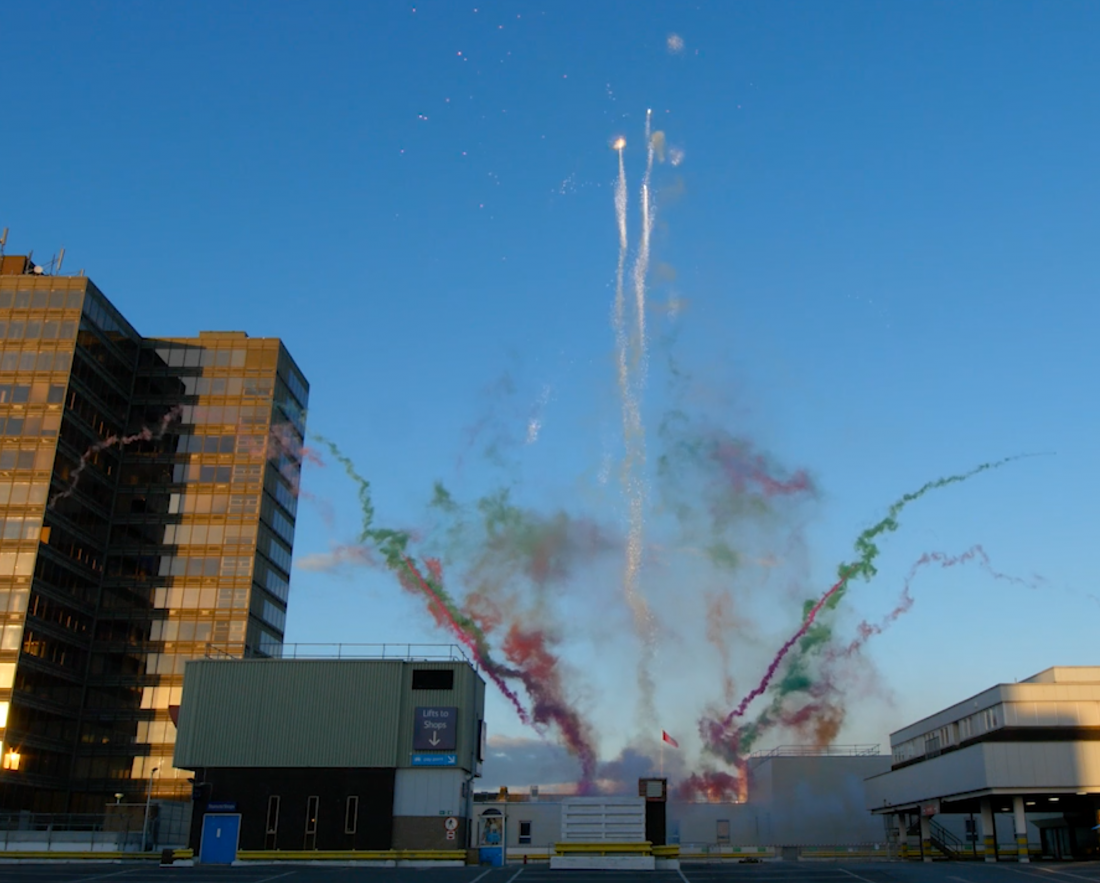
951,846
942,841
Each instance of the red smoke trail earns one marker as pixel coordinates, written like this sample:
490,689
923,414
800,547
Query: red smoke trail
412,580
538,669
146,434
484,611
283,441
820,720
743,467
714,786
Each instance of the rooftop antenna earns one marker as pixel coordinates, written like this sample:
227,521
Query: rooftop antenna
3,240
60,258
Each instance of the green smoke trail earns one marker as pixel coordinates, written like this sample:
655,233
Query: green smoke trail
393,545
868,551
515,536
361,484
796,677
795,680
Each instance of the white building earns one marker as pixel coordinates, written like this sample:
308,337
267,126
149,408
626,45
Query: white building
799,796
1029,749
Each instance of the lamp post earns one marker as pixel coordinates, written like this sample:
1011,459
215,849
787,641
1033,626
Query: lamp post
148,800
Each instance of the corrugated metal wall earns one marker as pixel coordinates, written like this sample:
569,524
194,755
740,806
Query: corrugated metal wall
314,713
428,792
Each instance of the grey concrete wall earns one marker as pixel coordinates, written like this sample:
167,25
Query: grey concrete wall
821,801
696,824
803,801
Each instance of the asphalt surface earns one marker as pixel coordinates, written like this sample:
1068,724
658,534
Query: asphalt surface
764,872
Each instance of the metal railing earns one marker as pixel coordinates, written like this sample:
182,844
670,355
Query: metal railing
31,821
817,751
168,824
403,652
945,841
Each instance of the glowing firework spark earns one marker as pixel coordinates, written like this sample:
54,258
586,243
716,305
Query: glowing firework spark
641,262
634,441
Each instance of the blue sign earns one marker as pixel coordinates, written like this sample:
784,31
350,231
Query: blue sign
435,760
435,729
222,806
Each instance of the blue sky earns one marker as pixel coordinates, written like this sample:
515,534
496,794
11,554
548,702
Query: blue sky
883,234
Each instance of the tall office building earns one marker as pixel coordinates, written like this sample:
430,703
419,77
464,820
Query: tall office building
147,509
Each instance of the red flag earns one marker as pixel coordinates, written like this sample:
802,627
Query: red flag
665,737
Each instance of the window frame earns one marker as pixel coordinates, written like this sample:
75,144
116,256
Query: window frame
351,814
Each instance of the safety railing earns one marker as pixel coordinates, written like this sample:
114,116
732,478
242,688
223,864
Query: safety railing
817,751
402,652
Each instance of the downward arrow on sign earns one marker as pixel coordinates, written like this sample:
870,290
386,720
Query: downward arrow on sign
435,738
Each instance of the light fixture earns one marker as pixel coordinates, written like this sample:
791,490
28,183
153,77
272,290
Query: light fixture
1031,803
1082,793
11,760
1053,799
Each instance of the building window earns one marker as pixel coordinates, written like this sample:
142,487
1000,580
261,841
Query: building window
524,833
932,745
723,831
311,815
273,814
433,679
351,815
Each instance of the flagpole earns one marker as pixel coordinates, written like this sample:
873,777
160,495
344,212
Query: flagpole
662,754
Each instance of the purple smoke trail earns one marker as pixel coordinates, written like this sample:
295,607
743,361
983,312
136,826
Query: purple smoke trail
146,434
784,650
868,630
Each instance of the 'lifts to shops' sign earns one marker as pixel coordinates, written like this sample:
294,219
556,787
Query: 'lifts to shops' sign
435,729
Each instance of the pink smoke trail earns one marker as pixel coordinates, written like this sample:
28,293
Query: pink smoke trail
784,650
283,440
866,630
146,434
743,467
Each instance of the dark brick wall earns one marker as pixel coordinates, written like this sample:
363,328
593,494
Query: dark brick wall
251,788
426,832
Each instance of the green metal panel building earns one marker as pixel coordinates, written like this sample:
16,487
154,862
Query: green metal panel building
334,753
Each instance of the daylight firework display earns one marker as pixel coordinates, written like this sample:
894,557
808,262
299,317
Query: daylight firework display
710,498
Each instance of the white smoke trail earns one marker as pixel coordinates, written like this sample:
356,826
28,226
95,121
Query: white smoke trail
535,420
633,433
641,261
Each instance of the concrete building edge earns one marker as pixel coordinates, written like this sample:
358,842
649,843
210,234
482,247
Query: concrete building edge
603,862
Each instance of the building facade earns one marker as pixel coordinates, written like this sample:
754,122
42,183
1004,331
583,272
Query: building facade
334,754
147,503
799,796
1024,755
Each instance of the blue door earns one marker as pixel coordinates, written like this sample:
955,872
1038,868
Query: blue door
220,832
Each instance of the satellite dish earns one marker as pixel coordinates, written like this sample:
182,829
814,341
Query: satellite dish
37,270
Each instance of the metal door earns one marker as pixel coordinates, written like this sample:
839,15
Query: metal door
220,835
